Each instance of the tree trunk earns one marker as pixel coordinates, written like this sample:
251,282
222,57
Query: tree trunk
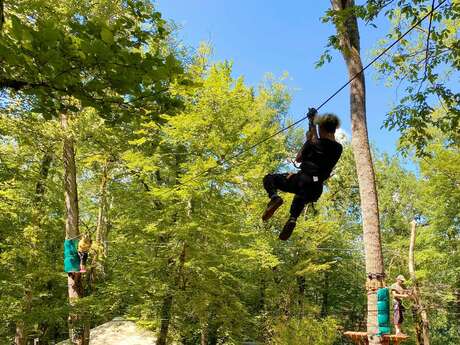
21,337
204,334
325,298
178,276
165,318
102,218
21,330
213,328
2,14
348,35
422,328
168,301
457,294
301,284
100,249
78,330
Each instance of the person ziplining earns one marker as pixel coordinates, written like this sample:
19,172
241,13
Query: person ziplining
317,158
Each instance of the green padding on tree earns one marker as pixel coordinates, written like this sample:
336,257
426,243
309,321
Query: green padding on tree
383,306
383,294
384,330
384,320
71,259
383,311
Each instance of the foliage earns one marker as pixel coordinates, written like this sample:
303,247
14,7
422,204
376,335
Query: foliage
112,57
425,65
185,244
306,331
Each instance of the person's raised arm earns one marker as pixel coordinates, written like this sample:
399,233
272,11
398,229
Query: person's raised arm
312,136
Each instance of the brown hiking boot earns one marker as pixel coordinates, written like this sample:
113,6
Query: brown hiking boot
287,229
272,206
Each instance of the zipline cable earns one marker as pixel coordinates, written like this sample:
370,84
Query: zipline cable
346,84
427,53
238,154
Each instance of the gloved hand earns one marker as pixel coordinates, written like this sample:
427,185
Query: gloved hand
311,113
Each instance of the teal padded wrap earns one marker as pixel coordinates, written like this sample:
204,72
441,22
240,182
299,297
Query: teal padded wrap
383,311
384,330
384,319
383,294
71,258
383,306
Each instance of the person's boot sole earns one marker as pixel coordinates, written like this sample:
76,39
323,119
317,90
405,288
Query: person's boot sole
272,206
287,231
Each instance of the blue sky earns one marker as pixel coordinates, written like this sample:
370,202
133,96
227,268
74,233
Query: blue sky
285,36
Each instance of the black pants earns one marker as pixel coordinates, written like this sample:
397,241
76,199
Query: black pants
301,184
83,257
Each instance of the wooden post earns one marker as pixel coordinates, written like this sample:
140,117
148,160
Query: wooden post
416,291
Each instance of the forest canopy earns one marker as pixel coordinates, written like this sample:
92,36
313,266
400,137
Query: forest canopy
109,130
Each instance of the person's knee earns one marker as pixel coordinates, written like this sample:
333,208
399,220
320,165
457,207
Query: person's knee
268,179
301,181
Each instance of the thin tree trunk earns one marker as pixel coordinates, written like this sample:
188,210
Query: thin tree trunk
165,318
457,294
213,328
325,299
21,337
301,283
424,327
102,218
21,330
168,301
2,14
97,270
209,329
348,34
204,334
78,330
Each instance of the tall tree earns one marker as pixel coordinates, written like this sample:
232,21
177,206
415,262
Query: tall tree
79,329
346,24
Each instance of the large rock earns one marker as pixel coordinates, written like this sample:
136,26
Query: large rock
119,332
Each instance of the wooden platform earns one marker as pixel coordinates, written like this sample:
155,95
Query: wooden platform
360,338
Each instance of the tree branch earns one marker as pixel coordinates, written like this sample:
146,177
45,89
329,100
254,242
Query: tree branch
18,84
2,14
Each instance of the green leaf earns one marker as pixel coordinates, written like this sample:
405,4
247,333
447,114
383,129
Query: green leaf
107,36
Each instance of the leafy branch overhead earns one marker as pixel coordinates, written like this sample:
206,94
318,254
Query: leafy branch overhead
426,64
119,65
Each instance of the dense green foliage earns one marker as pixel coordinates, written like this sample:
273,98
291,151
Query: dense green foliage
424,65
184,247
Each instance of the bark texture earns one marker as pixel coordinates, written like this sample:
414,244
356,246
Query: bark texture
78,329
2,14
349,41
102,218
166,309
